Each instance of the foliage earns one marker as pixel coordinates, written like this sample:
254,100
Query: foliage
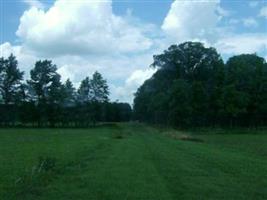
193,87
10,79
44,100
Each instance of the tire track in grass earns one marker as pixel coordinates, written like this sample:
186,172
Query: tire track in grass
114,169
127,173
197,171
75,180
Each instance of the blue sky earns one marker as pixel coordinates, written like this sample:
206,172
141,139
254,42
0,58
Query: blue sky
118,38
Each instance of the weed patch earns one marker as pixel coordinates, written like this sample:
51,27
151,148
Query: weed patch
40,175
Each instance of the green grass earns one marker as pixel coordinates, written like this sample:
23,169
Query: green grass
133,161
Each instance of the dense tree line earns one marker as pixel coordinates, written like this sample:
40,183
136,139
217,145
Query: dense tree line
44,100
194,87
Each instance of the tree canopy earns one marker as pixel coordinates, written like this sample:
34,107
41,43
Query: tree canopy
44,100
193,87
10,79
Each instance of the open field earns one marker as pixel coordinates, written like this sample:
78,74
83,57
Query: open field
132,161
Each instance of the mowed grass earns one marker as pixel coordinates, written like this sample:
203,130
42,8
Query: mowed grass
134,161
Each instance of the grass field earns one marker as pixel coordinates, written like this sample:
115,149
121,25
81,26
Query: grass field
132,161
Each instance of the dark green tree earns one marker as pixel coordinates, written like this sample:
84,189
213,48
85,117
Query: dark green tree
84,92
235,103
55,93
100,91
188,72
69,93
189,60
2,65
43,76
247,73
55,101
45,89
10,79
180,106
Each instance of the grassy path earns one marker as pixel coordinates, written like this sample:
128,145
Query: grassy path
144,164
201,171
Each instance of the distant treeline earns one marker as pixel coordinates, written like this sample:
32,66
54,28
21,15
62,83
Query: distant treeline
44,100
194,87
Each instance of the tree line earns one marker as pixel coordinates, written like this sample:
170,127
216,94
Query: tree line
194,87
44,100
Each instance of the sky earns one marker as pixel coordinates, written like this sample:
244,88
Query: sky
119,38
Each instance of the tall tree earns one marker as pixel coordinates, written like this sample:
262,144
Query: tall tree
45,85
247,73
95,89
199,103
235,103
180,107
56,91
69,93
85,91
100,89
10,79
181,69
189,60
2,64
55,101
42,77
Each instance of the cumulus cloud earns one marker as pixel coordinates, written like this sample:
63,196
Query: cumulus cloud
192,19
26,60
137,78
243,43
199,21
124,73
80,27
84,36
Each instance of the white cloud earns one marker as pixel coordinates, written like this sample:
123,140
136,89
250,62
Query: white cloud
124,73
192,19
84,36
80,27
26,60
250,22
223,12
263,12
198,21
242,43
34,3
137,78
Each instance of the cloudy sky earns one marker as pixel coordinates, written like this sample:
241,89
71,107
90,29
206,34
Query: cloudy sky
119,37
